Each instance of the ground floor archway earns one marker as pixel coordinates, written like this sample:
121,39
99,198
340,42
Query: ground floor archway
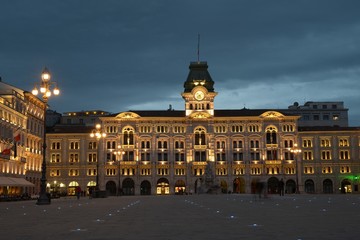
162,186
273,185
327,186
128,186
71,191
309,186
239,185
346,186
111,188
180,187
145,188
290,186
223,186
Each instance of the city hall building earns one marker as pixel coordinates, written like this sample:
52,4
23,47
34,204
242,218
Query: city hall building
204,149
198,149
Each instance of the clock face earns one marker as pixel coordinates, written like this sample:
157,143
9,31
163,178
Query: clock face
199,95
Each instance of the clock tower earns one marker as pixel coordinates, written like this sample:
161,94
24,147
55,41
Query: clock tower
199,92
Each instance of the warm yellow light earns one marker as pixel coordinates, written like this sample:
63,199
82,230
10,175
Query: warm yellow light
42,89
98,126
45,75
56,91
35,91
48,94
92,135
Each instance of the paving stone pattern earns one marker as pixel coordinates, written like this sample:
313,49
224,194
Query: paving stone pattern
185,217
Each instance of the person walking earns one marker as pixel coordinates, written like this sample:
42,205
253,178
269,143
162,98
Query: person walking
78,192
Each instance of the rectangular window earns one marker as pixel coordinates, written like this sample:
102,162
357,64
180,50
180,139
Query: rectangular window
255,156
238,156
74,157
239,171
307,143
145,156
237,144
254,143
162,171
179,171
55,145
327,170
237,128
345,169
325,142
74,145
344,142
325,155
221,171
92,145
306,117
145,129
179,157
92,157
308,170
316,117
110,172
73,172
55,158
54,173
91,172
145,172
308,155
344,155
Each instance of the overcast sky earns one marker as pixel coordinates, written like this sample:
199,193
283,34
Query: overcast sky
118,55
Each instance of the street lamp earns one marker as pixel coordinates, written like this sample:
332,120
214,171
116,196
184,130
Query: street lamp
47,87
120,152
98,134
295,150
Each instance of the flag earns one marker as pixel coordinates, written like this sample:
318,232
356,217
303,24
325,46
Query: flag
17,137
6,151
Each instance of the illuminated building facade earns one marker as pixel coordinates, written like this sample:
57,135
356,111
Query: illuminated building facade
21,121
177,151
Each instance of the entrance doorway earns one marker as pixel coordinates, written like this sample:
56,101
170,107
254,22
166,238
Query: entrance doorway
239,185
327,186
145,188
309,186
346,186
111,188
180,187
128,186
162,187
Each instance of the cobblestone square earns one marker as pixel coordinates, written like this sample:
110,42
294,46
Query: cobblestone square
185,217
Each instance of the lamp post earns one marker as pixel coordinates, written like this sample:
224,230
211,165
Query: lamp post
98,134
295,150
120,152
47,87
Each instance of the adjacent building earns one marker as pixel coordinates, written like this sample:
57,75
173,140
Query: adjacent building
21,128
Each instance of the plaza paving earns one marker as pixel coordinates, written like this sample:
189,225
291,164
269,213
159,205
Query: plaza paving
185,217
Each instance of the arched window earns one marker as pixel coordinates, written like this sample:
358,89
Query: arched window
271,135
200,138
128,136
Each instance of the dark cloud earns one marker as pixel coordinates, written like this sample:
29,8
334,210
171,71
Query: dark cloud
115,55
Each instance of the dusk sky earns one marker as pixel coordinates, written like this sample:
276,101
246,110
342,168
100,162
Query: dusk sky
119,55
